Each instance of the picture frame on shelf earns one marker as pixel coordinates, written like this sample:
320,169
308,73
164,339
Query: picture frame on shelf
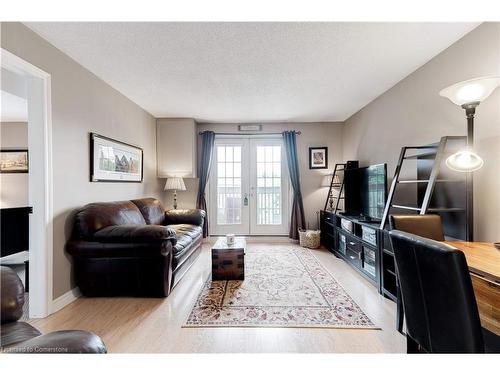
318,157
14,161
115,161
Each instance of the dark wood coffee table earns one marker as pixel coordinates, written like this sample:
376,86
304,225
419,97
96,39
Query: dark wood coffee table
228,262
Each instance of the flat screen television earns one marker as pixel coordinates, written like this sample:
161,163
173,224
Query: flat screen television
14,230
366,192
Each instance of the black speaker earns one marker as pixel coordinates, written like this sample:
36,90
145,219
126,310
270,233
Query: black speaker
351,164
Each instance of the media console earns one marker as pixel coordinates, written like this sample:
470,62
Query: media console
363,246
354,240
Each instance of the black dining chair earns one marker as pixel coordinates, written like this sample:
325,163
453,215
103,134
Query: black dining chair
428,226
438,298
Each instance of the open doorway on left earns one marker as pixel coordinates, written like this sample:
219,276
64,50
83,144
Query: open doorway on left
14,178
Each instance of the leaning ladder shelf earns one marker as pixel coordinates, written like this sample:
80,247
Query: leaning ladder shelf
435,151
336,184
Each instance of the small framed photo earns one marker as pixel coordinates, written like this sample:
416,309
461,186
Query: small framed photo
318,157
114,161
14,161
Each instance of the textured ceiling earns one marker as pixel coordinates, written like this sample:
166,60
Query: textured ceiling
252,72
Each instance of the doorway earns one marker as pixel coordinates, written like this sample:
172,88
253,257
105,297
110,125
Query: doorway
249,187
38,97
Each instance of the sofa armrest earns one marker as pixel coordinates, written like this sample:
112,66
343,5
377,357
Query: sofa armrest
96,249
135,234
60,342
193,216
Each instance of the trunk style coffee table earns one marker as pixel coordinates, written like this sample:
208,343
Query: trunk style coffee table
228,261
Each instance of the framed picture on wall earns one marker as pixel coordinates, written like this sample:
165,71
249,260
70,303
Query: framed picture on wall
114,161
14,161
318,157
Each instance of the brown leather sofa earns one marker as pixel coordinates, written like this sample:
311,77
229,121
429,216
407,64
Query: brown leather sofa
133,248
21,337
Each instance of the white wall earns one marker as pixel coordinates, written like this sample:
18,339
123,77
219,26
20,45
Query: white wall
327,134
413,113
13,83
82,103
14,186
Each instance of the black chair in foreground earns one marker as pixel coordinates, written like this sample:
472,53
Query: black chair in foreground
439,302
428,226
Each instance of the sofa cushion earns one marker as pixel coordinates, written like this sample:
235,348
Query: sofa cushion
95,216
186,235
152,210
185,216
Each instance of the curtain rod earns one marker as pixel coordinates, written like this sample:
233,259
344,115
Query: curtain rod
256,133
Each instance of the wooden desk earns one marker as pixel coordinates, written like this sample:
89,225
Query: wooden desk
483,259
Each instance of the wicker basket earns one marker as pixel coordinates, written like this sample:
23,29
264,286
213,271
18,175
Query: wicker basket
309,238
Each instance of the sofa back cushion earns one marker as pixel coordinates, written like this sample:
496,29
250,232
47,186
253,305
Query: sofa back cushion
95,216
152,210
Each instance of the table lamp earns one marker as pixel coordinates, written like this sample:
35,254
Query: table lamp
175,183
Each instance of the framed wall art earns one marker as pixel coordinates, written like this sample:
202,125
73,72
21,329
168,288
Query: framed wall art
114,161
318,157
14,161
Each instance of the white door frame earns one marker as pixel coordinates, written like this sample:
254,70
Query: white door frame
210,189
40,182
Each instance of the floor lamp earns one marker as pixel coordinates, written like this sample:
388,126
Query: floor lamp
469,94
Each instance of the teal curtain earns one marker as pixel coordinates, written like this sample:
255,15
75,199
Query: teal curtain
297,218
207,146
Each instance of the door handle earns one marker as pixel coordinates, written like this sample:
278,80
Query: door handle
245,200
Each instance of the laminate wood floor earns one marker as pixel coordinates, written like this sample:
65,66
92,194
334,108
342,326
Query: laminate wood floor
153,325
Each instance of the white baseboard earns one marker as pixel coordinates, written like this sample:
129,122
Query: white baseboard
65,300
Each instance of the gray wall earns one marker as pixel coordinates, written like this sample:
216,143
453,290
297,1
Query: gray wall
313,135
82,103
413,113
14,186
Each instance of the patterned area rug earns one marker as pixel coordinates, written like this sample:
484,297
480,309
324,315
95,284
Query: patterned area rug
283,287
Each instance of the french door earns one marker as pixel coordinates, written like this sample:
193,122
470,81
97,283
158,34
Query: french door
248,187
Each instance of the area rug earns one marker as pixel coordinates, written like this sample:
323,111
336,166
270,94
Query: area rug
283,287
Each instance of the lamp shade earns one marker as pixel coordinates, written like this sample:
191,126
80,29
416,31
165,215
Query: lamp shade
472,90
327,179
464,161
175,183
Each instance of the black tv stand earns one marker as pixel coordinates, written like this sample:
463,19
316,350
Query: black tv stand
369,221
355,240
360,218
